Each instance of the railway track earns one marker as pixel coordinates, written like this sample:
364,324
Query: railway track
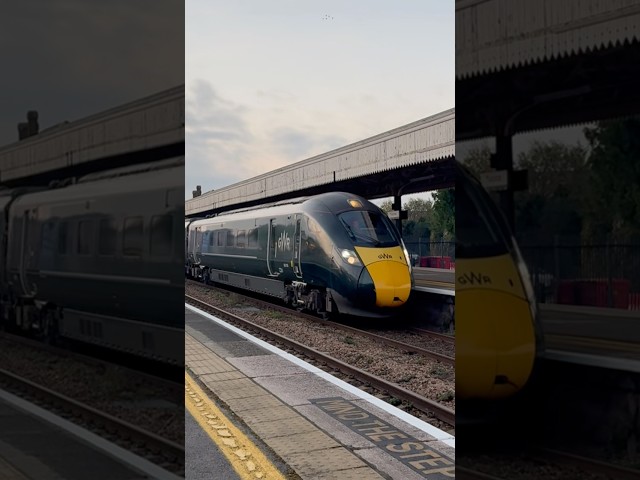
162,452
426,405
544,457
441,336
160,373
340,326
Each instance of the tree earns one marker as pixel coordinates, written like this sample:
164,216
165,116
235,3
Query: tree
613,203
444,213
553,203
478,160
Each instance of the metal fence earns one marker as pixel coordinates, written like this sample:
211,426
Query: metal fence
606,274
418,249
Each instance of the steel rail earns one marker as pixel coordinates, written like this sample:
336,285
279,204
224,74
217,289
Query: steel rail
429,333
124,430
597,466
380,338
91,360
441,412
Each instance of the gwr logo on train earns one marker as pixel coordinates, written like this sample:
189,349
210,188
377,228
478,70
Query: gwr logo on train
385,256
284,242
474,278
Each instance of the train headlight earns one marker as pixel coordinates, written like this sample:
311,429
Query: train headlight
350,257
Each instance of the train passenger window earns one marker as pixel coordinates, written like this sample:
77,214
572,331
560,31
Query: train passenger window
241,239
230,239
161,234
132,237
252,240
107,233
221,238
212,238
62,238
85,237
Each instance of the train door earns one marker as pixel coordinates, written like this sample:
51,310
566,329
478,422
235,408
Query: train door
197,251
271,248
297,238
28,248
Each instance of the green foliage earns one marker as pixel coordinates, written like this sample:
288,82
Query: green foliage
444,214
613,206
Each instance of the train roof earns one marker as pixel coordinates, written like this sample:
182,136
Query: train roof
333,202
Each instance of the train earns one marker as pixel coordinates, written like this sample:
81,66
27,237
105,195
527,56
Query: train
333,253
498,336
98,260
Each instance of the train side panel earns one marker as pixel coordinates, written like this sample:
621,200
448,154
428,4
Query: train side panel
101,262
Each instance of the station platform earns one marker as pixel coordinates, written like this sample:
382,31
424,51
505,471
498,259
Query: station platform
273,415
36,444
435,280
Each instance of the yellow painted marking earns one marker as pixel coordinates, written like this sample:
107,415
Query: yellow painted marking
243,455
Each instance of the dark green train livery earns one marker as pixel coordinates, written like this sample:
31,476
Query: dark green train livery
331,253
98,261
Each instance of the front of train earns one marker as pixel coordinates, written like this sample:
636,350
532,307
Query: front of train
498,336
371,271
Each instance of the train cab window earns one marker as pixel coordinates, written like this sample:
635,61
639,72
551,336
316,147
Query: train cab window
107,234
62,238
161,234
241,239
478,230
252,238
132,237
85,237
230,238
369,228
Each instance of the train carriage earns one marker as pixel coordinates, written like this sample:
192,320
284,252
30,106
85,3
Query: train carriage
99,261
327,253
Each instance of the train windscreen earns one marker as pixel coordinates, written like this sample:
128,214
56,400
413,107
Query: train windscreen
479,229
369,229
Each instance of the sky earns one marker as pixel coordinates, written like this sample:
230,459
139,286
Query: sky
69,59
272,83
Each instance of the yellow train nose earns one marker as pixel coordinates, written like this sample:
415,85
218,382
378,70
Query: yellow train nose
392,283
389,272
495,345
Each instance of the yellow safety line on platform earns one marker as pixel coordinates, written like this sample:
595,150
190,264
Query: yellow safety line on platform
243,455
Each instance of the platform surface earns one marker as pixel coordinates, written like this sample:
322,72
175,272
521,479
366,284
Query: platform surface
319,427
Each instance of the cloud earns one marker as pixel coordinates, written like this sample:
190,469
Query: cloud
73,58
217,139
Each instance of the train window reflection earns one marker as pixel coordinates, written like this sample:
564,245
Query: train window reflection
85,231
62,238
107,237
478,233
241,239
132,236
161,234
252,240
368,228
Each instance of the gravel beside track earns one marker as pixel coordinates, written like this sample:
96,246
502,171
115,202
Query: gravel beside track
150,404
415,372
